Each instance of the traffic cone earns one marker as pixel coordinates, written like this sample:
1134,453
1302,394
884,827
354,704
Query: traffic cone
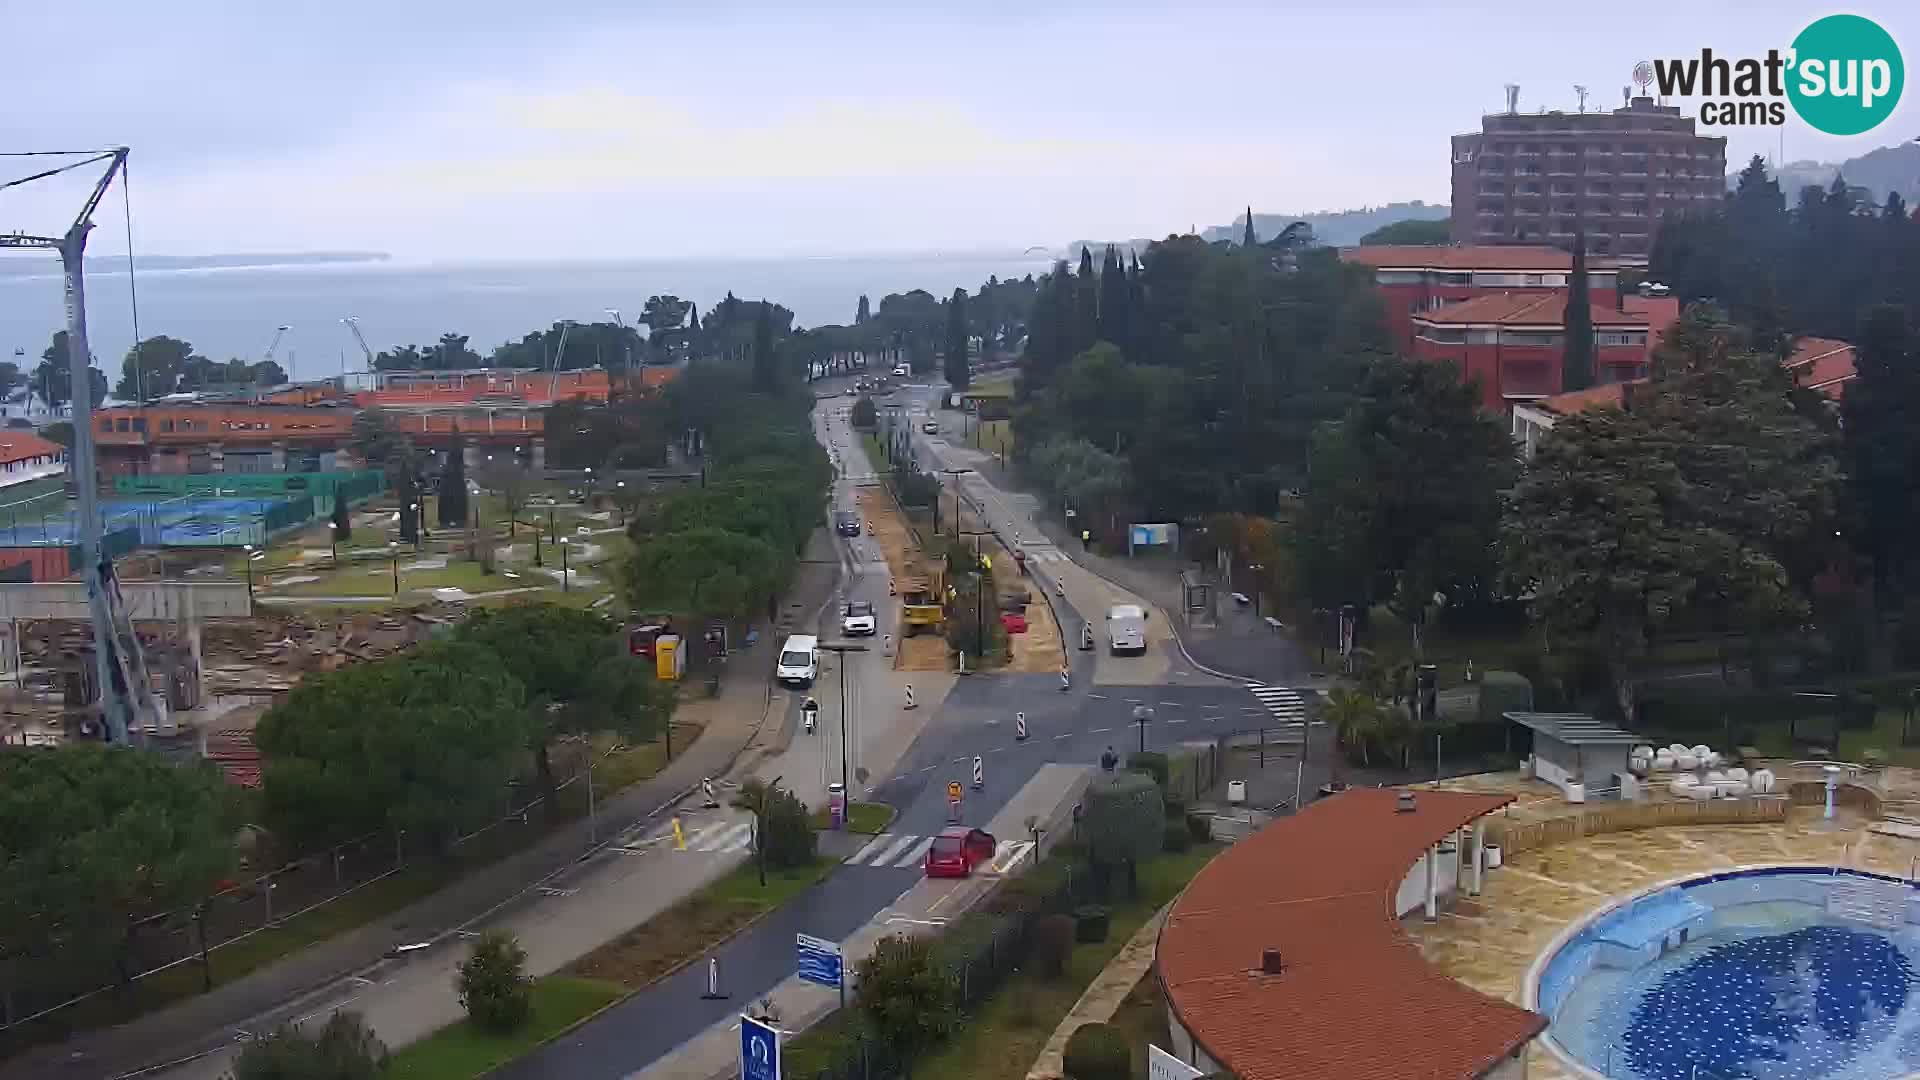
910,703
1020,727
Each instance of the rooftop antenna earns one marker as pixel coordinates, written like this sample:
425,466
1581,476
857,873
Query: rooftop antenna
1513,98
120,671
1626,96
1581,91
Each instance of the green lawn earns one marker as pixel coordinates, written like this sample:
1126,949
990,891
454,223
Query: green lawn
862,817
1001,1040
460,1051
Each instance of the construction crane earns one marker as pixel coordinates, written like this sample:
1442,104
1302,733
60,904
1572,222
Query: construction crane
278,333
120,670
559,353
628,341
353,323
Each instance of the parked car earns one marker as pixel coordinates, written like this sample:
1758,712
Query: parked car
799,662
858,620
958,849
900,371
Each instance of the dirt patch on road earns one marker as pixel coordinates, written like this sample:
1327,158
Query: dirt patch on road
923,652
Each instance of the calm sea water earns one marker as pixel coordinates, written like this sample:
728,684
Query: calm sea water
232,311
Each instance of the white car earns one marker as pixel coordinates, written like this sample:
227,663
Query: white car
858,620
901,372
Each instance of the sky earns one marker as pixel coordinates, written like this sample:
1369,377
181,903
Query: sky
597,129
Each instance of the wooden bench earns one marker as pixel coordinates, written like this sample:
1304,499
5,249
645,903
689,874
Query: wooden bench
1275,624
1241,599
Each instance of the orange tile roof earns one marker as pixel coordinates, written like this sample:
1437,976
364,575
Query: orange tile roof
1524,309
1478,257
1357,1001
25,446
1604,396
1822,364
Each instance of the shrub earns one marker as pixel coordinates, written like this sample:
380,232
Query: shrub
790,838
1176,809
1090,923
344,1049
1200,827
1151,762
1175,837
909,999
1053,945
493,983
865,416
1097,1052
1123,819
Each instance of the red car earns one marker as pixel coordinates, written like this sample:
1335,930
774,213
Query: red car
958,849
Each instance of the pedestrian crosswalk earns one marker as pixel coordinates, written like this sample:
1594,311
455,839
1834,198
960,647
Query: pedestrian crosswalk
893,849
1284,704
722,837
1046,555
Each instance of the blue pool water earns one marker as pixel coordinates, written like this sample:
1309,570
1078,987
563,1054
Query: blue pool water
1743,976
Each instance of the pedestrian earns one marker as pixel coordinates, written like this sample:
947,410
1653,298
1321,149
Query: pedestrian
1109,760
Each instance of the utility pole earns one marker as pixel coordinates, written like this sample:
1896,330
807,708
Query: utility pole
842,648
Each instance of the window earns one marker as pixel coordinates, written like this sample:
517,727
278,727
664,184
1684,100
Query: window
139,423
1620,337
106,425
1397,277
166,425
1453,277
1531,337
1444,335
120,424
1485,335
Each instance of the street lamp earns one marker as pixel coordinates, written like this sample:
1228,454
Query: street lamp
252,557
1142,715
844,647
562,541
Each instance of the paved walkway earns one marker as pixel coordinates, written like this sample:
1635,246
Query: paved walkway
1103,996
732,722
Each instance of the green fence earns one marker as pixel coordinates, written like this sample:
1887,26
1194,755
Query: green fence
355,484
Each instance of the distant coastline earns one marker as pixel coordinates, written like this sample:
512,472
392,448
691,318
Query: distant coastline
105,262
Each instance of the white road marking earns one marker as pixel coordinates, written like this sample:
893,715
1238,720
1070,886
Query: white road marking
918,853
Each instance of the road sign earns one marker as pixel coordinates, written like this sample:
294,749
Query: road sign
953,791
1164,1066
819,960
759,1050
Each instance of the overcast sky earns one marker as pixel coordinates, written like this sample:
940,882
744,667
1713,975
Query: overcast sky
486,129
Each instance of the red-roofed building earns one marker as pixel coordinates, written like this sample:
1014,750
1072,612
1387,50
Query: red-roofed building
1414,280
1514,344
26,457
1823,364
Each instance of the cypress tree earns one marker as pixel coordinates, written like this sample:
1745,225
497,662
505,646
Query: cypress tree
1577,367
342,521
1248,239
693,330
409,505
453,485
958,375
764,372
1086,306
864,312
1113,300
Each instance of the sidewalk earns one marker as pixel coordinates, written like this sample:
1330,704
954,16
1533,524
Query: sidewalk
215,1019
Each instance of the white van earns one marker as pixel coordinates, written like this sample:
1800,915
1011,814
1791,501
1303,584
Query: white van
1126,629
799,661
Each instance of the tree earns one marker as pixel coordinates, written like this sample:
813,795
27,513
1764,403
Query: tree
705,572
375,442
909,999
155,367
1086,305
342,519
509,481
98,839
576,673
345,1048
453,484
493,983
765,369
407,487
1124,821
865,415
863,313
1113,301
1356,719
1405,498
422,743
10,377
1414,232
1247,238
1577,368
958,372
782,834
1882,431
52,377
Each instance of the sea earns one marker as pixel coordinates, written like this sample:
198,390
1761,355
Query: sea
230,307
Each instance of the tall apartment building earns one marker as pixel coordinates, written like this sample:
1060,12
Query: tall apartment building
1527,177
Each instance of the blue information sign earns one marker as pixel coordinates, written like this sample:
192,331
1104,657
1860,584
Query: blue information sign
819,960
759,1050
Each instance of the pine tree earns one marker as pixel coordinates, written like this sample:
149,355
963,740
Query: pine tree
1883,449
1577,367
1248,239
958,374
409,491
453,485
864,313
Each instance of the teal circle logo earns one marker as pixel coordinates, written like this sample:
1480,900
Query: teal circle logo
1847,75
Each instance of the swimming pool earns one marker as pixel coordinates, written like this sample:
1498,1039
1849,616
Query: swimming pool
1767,973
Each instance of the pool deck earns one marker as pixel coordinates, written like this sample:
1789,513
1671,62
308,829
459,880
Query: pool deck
1491,941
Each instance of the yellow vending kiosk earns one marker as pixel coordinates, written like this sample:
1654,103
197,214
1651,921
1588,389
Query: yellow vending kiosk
669,657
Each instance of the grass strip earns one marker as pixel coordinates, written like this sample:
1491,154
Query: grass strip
461,1051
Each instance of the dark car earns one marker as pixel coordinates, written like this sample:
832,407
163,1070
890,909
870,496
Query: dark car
846,523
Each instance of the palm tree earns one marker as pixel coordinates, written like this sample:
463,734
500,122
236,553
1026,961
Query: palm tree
1356,720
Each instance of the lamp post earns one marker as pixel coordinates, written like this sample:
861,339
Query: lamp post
561,541
252,557
843,648
419,524
620,498
1142,715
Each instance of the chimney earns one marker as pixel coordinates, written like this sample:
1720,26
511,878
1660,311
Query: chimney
1513,98
1405,803
1270,963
